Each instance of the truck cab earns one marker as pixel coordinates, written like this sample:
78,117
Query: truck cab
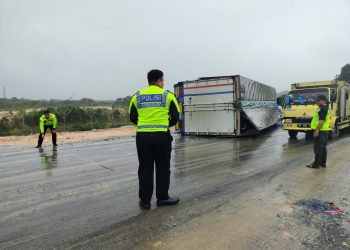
300,106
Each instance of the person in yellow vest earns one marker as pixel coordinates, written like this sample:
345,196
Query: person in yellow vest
154,110
320,124
47,120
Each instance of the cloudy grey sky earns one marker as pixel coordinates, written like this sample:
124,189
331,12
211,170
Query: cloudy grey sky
103,49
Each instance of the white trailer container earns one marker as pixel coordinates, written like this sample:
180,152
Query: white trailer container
225,106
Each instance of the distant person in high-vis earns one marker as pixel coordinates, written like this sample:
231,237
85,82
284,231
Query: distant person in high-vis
154,110
320,125
47,120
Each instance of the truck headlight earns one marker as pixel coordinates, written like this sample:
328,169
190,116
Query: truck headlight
288,120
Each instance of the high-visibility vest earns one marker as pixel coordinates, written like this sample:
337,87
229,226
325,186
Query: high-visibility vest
152,105
51,121
315,121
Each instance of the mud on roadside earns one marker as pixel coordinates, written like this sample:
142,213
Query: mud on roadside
306,228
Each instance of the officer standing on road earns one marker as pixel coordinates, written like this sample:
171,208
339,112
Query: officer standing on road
154,110
47,120
320,124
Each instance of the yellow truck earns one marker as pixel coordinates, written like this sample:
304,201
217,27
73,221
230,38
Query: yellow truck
300,106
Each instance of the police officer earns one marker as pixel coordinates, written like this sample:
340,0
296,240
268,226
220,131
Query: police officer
154,110
320,124
47,120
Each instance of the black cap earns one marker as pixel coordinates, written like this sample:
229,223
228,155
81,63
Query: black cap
321,97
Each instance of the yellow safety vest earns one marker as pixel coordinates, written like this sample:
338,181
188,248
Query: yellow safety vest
152,105
47,122
315,121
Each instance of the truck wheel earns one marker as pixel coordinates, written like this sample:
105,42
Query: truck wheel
333,133
292,133
347,130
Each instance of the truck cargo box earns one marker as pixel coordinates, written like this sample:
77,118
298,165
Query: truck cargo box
225,106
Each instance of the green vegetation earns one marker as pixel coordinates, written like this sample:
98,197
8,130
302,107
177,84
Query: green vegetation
23,115
345,73
18,104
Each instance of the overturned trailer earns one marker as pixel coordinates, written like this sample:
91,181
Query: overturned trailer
225,106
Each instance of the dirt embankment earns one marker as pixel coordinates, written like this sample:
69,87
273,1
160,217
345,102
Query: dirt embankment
70,137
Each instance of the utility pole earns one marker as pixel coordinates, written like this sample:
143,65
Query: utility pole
4,92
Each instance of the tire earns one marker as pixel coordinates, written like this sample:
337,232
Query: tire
333,133
292,133
347,130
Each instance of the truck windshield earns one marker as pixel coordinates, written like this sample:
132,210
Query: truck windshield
304,96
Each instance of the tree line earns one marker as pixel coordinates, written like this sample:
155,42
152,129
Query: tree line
82,115
21,103
345,73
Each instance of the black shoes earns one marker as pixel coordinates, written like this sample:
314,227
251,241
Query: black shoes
169,202
55,145
312,166
145,206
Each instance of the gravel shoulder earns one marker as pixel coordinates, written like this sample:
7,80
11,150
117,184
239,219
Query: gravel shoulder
70,137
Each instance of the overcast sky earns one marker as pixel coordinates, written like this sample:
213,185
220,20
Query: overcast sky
103,49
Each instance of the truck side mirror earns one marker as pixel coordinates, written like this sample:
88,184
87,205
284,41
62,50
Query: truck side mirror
333,96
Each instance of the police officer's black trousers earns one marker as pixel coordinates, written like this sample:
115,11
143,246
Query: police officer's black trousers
153,149
41,138
320,148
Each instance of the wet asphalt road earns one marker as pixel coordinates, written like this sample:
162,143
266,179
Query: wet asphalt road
70,197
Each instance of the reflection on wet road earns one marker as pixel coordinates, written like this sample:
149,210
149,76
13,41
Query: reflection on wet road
48,161
53,197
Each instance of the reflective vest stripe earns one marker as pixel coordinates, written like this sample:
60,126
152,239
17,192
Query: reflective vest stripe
152,126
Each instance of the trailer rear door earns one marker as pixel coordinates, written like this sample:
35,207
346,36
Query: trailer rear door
209,106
